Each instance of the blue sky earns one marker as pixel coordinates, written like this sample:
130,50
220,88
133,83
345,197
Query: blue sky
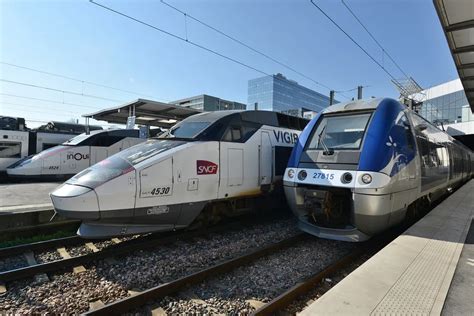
78,39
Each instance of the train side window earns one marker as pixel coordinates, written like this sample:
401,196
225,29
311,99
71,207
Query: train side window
408,132
236,134
10,150
233,134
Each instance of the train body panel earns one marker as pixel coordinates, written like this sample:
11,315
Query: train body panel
166,183
359,166
74,155
18,142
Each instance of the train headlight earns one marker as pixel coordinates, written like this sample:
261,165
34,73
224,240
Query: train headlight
366,178
290,173
302,175
346,178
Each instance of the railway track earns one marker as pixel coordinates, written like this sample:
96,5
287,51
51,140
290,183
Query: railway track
118,248
115,247
304,287
216,243
162,290
154,297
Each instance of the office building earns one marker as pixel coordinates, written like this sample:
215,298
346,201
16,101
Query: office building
206,102
277,93
445,104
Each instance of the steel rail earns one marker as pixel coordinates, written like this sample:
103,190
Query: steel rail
145,242
41,245
286,298
160,291
39,229
114,250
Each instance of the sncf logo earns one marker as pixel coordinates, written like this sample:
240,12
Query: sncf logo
205,167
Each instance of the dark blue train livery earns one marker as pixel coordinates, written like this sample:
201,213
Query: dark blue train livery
363,166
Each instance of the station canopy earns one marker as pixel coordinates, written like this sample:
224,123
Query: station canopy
457,19
146,112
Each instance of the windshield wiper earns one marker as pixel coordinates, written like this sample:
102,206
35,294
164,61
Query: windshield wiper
321,136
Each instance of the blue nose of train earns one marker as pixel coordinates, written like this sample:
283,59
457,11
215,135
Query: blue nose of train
76,202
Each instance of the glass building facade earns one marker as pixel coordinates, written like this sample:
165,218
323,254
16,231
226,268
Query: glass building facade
277,93
206,102
445,103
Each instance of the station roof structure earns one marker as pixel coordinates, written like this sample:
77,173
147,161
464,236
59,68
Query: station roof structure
457,19
146,112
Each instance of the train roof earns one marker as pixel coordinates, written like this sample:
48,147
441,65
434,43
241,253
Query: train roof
269,118
111,132
64,127
354,105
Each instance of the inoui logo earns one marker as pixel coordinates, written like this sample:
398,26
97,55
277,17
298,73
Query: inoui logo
77,156
205,167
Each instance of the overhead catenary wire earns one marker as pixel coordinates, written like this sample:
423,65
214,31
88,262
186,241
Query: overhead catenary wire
47,100
353,40
186,40
75,79
240,42
8,104
375,40
59,90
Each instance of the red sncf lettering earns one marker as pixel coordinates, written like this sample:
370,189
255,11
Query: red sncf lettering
206,167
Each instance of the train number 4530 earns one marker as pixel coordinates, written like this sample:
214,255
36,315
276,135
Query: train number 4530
161,191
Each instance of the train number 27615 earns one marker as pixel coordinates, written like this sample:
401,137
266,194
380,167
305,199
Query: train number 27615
320,175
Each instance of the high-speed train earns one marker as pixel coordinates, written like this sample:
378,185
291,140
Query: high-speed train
74,155
210,164
363,166
17,141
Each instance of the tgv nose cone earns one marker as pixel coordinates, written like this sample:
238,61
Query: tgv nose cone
75,202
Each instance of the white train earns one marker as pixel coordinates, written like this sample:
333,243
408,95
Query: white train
17,141
75,154
209,164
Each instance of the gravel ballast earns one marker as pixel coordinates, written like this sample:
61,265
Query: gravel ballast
107,280
241,291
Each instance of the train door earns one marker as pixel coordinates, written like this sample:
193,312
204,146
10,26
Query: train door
239,163
265,162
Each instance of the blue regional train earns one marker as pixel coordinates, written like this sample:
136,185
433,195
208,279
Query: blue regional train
363,166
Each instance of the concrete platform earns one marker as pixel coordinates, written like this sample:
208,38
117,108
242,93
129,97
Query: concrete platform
24,197
413,274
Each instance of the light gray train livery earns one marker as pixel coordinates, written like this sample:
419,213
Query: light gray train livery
208,165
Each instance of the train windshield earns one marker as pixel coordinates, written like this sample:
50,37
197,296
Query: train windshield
101,172
77,140
186,129
122,162
148,149
340,132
